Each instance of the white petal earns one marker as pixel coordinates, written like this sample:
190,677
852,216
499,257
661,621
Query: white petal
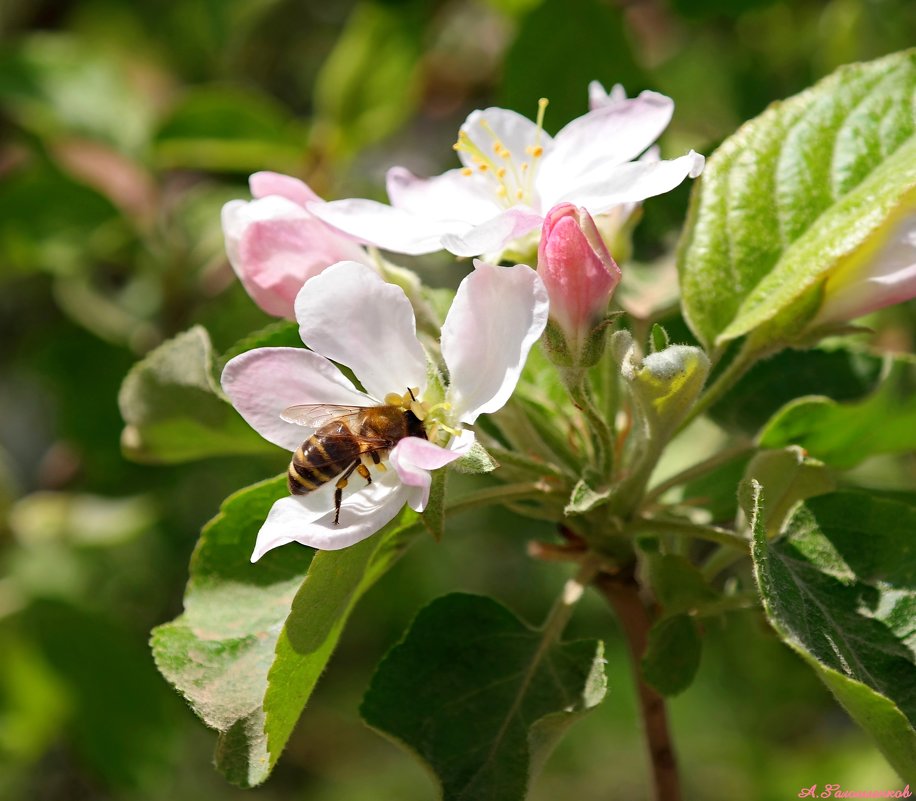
513,131
374,223
497,315
261,383
494,234
612,134
635,181
350,315
361,515
598,98
450,196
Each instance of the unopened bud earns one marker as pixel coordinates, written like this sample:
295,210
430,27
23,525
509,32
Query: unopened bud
580,276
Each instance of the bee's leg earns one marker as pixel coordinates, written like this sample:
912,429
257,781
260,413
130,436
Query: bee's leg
364,472
377,461
341,485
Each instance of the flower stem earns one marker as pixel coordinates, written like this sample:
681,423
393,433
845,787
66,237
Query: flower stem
622,593
698,470
711,533
577,382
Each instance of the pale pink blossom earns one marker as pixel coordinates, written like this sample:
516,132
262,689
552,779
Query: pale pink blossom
349,315
275,244
512,173
862,286
577,270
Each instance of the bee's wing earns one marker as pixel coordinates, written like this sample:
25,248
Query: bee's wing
315,415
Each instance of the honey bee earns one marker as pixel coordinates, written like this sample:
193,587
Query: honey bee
345,438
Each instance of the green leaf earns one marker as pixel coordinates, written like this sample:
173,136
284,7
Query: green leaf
336,581
230,131
279,334
812,183
567,32
585,496
841,373
218,652
56,85
174,410
839,586
787,476
254,638
480,696
844,434
672,657
658,338
677,584
368,86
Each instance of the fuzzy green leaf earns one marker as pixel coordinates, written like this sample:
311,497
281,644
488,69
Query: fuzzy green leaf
814,182
480,697
672,657
218,652
839,586
174,409
254,638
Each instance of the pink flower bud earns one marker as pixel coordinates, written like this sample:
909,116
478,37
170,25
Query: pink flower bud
577,270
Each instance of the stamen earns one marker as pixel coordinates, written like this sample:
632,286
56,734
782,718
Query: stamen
467,171
519,194
501,172
393,399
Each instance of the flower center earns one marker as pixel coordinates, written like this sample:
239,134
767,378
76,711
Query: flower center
510,175
435,417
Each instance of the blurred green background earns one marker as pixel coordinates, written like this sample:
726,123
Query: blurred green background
124,126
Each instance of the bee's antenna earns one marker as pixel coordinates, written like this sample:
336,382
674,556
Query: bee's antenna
412,396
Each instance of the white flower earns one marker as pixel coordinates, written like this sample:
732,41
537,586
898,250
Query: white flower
514,173
348,314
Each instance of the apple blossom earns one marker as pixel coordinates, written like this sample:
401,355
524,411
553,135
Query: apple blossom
579,274
862,286
348,314
275,244
512,173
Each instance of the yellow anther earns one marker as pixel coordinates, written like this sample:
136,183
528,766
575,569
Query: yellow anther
524,166
501,190
506,154
501,172
419,410
519,194
498,147
483,167
393,399
456,146
535,151
467,171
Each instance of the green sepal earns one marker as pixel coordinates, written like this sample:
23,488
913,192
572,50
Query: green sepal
476,461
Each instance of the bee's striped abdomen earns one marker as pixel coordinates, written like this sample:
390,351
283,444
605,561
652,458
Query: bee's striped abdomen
320,458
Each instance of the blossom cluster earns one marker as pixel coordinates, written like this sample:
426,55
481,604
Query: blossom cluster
519,195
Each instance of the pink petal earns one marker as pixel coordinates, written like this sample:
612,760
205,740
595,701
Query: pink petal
513,131
612,134
887,278
497,315
413,458
263,184
635,181
450,196
261,383
493,235
385,227
275,246
362,514
352,316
